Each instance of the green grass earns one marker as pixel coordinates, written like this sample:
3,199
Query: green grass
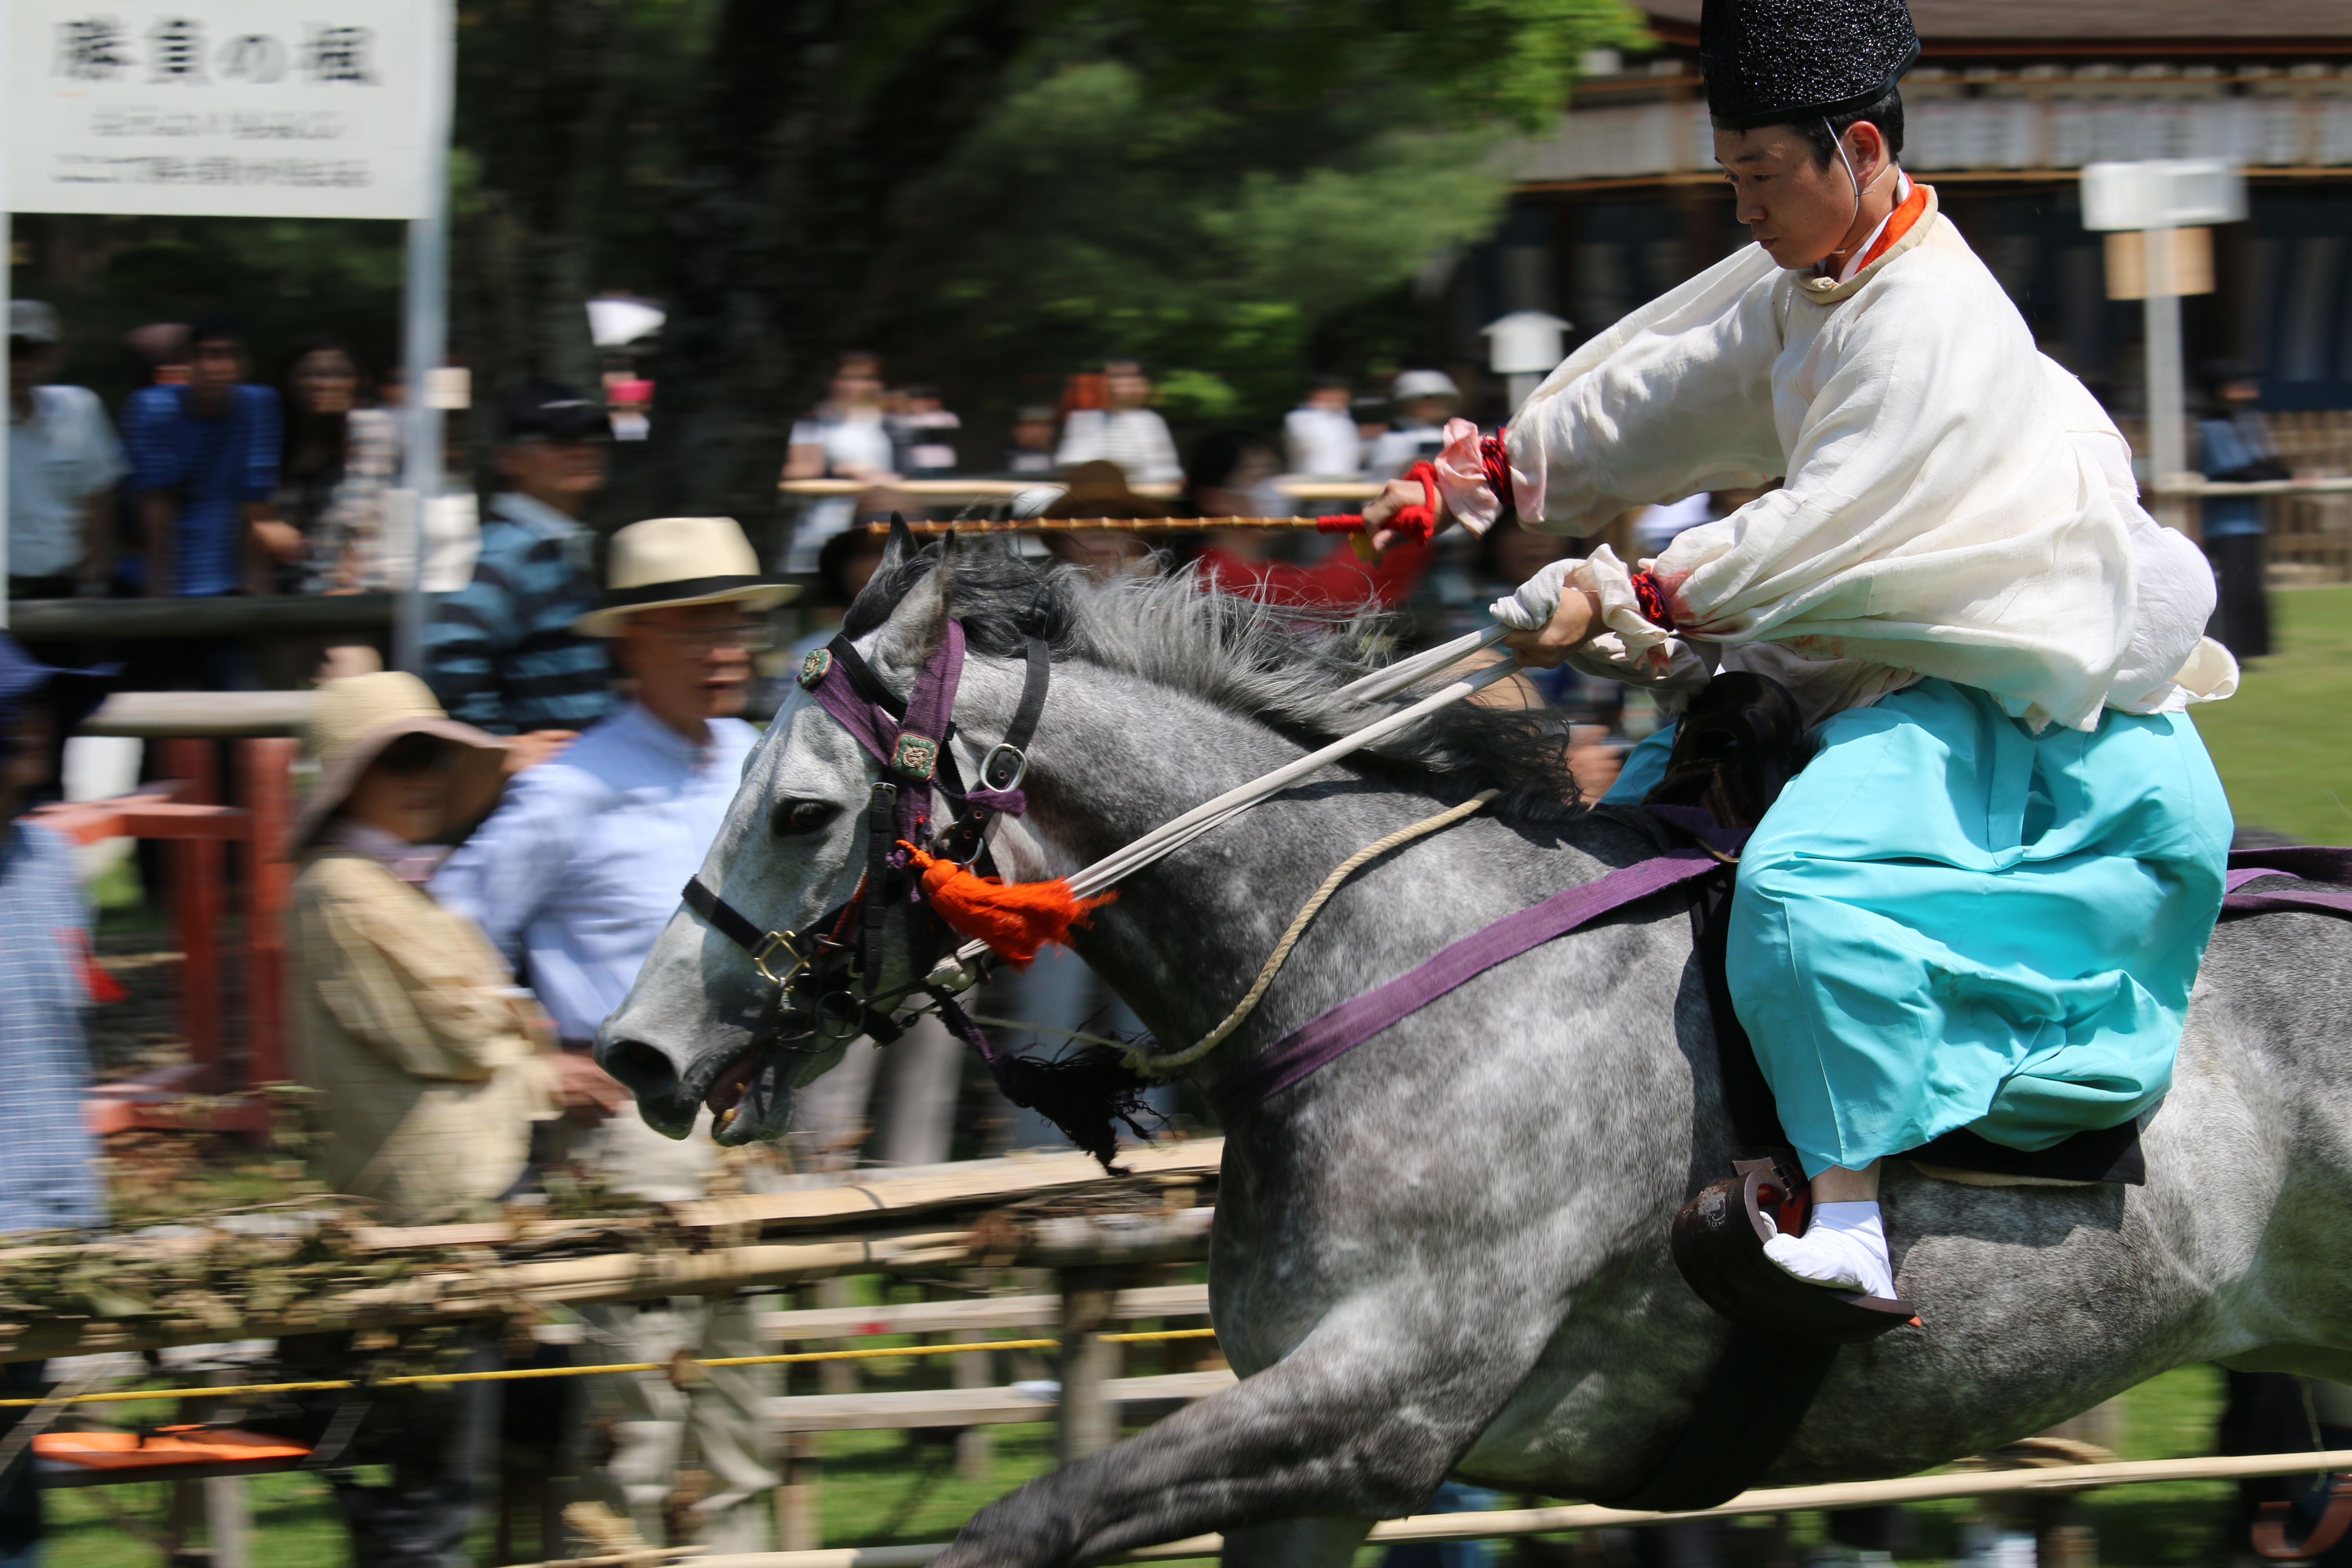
2283,744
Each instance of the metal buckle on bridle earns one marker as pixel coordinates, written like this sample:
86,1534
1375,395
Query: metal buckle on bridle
772,942
1020,766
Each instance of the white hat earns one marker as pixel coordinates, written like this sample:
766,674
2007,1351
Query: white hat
354,719
34,320
671,561
1423,383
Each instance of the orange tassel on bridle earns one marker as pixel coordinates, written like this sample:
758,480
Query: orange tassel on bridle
1014,919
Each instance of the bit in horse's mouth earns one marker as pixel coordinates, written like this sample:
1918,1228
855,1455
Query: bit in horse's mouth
727,1090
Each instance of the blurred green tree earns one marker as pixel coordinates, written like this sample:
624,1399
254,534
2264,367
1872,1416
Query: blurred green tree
992,190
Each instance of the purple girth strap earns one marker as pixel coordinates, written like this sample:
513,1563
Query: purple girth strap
1322,1040
2306,863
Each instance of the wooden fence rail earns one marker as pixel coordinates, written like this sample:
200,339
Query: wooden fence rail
1584,1515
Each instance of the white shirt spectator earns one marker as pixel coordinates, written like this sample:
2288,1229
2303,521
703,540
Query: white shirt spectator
57,459
1323,442
854,439
1398,450
1137,439
1657,526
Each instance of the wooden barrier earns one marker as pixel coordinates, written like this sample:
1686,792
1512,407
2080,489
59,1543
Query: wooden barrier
974,1402
225,615
1574,1517
198,828
178,715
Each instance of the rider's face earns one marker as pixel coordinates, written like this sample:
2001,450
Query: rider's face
1798,209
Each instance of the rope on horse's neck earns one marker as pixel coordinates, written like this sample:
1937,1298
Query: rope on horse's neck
1172,1062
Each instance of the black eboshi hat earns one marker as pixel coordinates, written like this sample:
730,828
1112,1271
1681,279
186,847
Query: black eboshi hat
1778,62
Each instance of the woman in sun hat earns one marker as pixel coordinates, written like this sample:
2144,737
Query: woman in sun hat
406,1017
432,1070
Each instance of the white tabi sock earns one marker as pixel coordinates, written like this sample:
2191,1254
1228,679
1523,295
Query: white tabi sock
1844,1248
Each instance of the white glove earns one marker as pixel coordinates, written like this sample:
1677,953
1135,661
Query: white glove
1532,604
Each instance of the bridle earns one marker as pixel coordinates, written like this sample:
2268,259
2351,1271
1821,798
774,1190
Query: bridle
826,981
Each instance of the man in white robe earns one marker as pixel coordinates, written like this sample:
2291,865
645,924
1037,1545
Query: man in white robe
1957,548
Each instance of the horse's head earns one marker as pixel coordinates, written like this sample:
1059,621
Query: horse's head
710,1021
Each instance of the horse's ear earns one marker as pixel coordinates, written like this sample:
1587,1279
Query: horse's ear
916,622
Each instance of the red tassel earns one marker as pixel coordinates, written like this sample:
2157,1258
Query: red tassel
1014,919
103,988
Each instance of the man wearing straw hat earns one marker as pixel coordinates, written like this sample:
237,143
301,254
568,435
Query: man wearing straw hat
573,879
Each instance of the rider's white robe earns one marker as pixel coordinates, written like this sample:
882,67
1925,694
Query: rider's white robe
1914,535
1984,902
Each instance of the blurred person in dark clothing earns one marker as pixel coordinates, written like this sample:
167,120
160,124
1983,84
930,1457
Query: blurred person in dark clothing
203,464
63,462
500,653
1031,451
317,395
159,350
920,432
2235,446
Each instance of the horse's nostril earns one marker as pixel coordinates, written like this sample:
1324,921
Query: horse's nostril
642,1070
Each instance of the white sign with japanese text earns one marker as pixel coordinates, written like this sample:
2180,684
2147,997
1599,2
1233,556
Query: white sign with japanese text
218,108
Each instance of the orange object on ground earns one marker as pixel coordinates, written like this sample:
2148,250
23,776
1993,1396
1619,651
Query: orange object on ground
163,1448
1015,918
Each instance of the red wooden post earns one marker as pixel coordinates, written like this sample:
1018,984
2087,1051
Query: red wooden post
196,871
264,767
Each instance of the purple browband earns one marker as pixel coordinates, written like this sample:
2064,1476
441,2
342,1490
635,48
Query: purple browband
930,707
1323,1040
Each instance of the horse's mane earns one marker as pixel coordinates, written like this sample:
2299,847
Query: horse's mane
1278,665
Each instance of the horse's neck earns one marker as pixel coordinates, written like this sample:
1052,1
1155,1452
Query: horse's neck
1115,757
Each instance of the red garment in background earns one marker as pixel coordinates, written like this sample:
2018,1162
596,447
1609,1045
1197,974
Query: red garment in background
1340,581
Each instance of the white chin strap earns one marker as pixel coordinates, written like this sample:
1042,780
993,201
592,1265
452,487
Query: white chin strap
1852,179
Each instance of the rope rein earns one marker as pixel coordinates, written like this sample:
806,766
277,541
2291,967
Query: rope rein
1167,1064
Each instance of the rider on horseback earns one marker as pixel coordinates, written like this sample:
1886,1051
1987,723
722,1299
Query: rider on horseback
1983,903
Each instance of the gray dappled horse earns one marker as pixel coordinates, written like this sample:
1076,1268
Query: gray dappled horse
1448,1251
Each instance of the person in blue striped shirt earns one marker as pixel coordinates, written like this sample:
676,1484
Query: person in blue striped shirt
500,653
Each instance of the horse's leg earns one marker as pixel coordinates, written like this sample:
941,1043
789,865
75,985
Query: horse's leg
1360,1422
1296,1543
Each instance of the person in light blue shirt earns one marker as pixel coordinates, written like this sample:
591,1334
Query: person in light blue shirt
573,878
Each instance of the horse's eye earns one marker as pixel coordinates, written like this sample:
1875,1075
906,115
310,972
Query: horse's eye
795,818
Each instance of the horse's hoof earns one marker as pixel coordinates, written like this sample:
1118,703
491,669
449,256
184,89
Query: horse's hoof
1718,1244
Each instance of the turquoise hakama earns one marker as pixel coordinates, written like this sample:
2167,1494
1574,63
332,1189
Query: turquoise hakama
1949,921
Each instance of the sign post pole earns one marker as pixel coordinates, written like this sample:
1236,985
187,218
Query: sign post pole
2158,197
425,328
2167,451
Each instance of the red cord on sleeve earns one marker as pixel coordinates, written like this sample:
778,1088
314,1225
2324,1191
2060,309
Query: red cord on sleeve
1653,601
1498,464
